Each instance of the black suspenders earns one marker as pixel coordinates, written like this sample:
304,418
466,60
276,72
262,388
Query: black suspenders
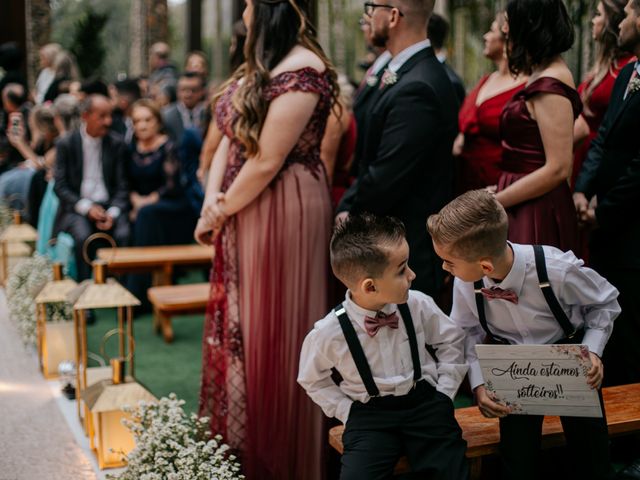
358,353
547,291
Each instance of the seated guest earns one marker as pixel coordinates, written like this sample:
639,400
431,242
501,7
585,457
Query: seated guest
161,213
39,155
395,398
66,72
91,180
196,62
188,110
47,57
126,93
14,104
498,299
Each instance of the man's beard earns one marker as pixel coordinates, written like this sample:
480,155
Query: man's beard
381,37
631,43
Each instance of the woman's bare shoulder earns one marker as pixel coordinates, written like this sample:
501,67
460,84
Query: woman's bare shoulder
300,57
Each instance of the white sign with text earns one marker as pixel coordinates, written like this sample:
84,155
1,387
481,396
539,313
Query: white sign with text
540,379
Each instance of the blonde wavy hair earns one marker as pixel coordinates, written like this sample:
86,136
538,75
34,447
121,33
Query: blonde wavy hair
276,27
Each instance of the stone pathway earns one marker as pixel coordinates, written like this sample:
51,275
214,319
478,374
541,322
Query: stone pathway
35,440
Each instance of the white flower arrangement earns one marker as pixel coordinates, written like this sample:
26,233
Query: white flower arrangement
171,445
25,281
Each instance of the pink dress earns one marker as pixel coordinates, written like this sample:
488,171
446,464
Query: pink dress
268,287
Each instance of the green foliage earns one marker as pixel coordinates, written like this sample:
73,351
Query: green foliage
65,15
88,46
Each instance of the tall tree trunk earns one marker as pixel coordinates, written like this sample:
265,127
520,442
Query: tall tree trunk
38,19
149,24
218,67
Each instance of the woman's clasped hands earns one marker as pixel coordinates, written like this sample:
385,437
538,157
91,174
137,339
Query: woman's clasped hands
212,218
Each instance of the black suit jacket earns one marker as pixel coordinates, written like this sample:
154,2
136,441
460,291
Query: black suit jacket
361,105
69,169
612,172
406,167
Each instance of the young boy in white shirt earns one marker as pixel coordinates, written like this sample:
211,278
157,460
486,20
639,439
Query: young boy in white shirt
394,398
505,293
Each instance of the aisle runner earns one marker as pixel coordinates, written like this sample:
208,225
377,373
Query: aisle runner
35,440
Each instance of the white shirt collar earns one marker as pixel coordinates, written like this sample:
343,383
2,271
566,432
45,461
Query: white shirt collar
638,66
86,138
380,62
400,59
515,278
357,313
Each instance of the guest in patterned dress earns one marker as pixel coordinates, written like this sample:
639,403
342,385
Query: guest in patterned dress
267,212
477,146
537,127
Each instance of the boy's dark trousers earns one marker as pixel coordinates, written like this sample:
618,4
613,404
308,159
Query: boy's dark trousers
587,446
420,425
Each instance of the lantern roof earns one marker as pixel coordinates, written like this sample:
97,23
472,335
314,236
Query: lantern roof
106,295
22,232
56,291
104,396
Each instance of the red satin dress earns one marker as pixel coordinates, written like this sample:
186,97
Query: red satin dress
598,104
482,152
549,219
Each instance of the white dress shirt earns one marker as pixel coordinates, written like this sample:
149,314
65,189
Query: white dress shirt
388,354
588,300
400,59
92,189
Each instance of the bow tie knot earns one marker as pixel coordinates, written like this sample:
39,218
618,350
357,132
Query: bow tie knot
498,293
373,324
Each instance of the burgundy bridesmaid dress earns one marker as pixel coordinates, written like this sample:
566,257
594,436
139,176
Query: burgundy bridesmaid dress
549,219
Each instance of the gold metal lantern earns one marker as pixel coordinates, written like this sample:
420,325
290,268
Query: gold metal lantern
96,294
16,241
105,400
55,339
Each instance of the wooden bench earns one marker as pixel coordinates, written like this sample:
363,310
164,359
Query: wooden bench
176,300
622,407
159,260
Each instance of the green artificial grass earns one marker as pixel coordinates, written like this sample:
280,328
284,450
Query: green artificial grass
161,367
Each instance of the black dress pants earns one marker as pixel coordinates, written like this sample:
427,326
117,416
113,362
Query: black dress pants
420,425
587,447
80,228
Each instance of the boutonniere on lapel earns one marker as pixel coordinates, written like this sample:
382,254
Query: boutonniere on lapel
372,80
634,85
389,77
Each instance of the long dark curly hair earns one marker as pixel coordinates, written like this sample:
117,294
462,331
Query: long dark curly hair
276,27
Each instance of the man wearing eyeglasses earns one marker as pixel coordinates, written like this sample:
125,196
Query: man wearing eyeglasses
405,165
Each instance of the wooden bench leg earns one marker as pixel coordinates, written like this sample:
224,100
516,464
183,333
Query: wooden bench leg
165,325
157,323
475,467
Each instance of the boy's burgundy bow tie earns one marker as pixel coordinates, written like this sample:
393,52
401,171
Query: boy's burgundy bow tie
500,294
373,324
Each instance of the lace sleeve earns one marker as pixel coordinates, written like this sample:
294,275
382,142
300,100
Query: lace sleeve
306,79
